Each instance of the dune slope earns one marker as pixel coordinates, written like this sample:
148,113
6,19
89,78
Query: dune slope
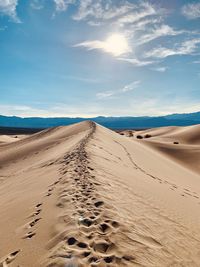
83,195
182,144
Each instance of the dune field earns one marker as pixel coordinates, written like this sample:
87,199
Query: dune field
83,195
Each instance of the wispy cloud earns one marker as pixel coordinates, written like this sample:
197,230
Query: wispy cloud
157,32
3,28
186,48
105,94
117,13
62,5
191,10
131,86
196,62
116,45
96,11
37,4
126,88
141,22
160,69
58,110
160,107
141,11
8,8
136,62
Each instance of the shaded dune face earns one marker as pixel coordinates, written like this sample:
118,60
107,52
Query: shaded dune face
83,195
181,144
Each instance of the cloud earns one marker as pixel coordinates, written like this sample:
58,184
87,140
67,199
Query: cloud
143,10
97,10
3,28
115,44
186,48
8,8
126,88
130,86
136,62
191,11
11,110
117,13
160,107
62,5
141,22
134,107
160,69
196,62
37,4
163,30
105,94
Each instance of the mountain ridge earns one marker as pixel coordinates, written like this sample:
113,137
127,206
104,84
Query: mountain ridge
125,122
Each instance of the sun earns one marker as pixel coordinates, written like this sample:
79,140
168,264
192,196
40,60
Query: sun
116,44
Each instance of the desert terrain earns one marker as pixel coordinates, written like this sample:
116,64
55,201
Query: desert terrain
182,144
83,195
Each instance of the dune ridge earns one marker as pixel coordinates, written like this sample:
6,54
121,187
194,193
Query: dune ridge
83,195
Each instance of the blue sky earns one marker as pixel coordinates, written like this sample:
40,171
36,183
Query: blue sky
99,57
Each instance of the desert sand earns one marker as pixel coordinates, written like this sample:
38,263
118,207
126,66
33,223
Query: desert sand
10,138
182,144
83,195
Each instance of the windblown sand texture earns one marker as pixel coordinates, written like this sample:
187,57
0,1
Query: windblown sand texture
83,195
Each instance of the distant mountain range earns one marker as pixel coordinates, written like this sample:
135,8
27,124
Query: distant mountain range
110,122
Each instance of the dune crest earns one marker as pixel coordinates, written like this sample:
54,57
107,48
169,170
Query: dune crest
83,195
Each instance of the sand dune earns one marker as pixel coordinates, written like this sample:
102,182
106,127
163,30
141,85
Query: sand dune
4,139
184,135
83,195
182,144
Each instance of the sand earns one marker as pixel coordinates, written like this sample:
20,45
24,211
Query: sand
83,195
4,139
181,144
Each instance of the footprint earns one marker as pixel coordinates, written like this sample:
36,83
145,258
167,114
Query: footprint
85,254
38,205
104,227
109,259
93,259
114,224
8,259
82,245
86,222
71,241
98,204
102,246
31,224
37,212
29,235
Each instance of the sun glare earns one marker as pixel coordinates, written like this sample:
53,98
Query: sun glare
116,44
